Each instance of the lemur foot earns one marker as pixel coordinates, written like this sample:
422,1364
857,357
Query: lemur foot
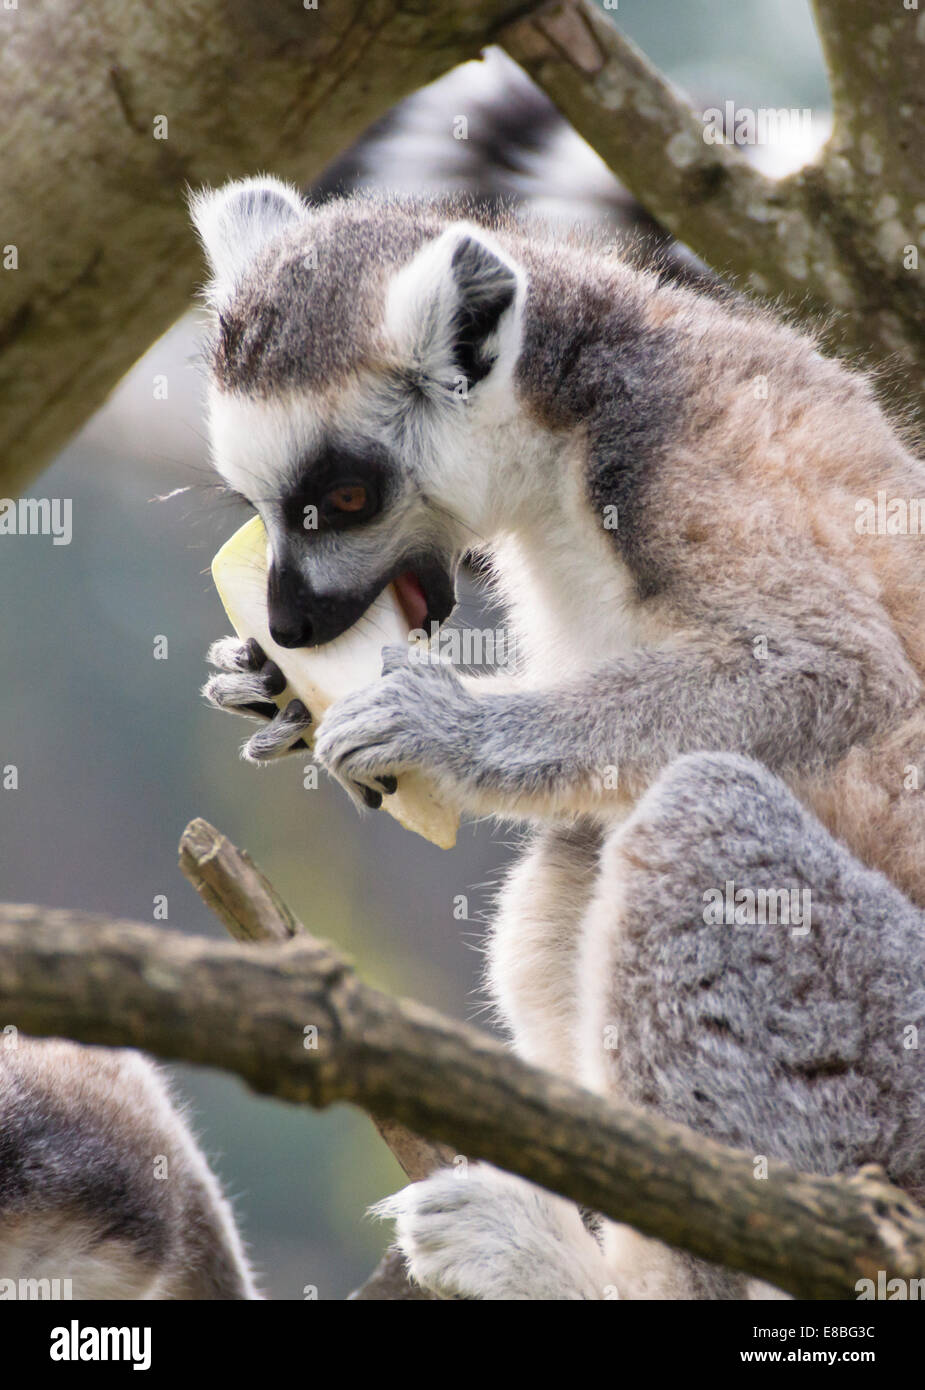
484,1234
247,684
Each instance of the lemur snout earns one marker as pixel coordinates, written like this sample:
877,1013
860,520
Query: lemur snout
303,616
289,606
295,633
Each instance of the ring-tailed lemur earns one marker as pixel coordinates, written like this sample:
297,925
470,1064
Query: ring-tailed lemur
720,683
104,1192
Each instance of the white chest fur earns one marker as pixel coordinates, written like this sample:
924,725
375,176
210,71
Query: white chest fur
570,597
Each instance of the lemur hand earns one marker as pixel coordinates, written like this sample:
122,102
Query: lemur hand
247,684
418,716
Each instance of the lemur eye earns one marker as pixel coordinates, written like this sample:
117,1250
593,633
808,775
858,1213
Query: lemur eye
349,502
349,497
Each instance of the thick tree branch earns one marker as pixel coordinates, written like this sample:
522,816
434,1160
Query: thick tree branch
830,237
294,1021
94,203
873,54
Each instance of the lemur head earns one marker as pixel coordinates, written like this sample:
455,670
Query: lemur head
361,378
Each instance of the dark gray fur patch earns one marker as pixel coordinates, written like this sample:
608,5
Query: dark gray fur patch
592,358
309,311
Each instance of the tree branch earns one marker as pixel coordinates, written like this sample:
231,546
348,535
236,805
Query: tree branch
294,1021
829,237
94,202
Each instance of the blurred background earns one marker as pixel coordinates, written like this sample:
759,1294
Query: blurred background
116,751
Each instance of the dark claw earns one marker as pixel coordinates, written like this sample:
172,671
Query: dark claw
372,799
274,681
254,656
297,712
389,784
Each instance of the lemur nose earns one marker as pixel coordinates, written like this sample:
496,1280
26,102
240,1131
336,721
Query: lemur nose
288,606
297,633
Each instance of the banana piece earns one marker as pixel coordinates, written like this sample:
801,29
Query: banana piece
320,675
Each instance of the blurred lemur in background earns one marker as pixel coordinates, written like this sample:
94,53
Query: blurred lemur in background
719,685
104,1192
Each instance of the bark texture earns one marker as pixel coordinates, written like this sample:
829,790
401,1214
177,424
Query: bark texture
94,203
831,240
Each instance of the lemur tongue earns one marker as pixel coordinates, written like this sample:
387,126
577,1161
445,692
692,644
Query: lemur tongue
411,597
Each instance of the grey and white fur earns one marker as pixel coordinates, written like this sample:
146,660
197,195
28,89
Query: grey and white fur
720,675
104,1191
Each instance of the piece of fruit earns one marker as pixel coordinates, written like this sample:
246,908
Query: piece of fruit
321,675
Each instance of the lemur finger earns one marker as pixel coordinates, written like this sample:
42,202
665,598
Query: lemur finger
388,783
372,798
230,654
247,692
282,735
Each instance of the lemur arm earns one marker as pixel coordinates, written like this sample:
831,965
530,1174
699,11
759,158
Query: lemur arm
618,727
579,747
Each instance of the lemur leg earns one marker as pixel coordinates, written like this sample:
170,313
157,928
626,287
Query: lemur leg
486,1234
782,1039
785,1039
482,1233
532,952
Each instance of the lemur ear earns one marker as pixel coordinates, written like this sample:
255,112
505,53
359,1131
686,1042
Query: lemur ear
454,310
235,222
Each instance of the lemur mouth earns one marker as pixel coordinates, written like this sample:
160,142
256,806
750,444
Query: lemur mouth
412,598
